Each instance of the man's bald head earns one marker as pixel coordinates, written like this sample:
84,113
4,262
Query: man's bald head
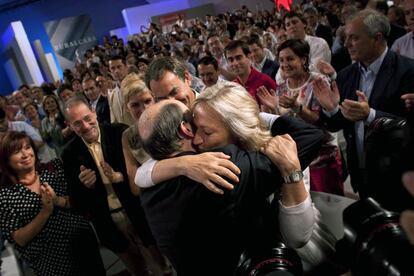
147,119
159,128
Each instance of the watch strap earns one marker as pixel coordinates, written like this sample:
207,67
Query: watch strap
294,177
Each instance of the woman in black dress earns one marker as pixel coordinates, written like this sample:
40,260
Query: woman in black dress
35,213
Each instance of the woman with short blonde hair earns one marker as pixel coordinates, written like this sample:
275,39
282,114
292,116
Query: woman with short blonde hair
132,85
239,111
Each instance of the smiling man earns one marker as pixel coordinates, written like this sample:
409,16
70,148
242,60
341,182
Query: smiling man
167,78
237,54
96,100
208,71
295,25
95,167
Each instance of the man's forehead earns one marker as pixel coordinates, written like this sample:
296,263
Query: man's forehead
88,83
355,26
235,52
168,81
292,19
115,62
205,67
213,39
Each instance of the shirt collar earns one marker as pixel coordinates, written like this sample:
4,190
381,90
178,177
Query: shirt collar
261,64
97,142
93,103
375,66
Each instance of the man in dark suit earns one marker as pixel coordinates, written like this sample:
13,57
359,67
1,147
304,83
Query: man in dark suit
368,89
188,220
311,15
95,168
395,31
259,60
97,102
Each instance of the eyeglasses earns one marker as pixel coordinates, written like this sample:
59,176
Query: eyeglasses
90,118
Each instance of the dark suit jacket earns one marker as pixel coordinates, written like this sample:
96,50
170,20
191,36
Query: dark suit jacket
102,110
270,68
324,32
203,233
93,202
395,78
395,33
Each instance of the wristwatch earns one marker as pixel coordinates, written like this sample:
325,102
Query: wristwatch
294,177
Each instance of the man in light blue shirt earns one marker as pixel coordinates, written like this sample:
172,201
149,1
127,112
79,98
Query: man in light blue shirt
366,90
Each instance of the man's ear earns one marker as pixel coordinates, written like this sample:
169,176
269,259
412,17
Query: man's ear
379,37
187,78
186,130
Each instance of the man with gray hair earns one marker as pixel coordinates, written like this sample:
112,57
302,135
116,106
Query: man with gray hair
368,89
95,168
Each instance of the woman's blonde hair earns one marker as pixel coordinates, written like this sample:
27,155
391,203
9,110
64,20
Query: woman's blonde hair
239,112
131,86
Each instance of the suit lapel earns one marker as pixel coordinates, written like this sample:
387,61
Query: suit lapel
104,145
84,156
98,105
354,85
383,78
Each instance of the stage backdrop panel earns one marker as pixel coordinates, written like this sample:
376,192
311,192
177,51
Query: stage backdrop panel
70,38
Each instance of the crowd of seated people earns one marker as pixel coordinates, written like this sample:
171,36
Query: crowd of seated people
321,68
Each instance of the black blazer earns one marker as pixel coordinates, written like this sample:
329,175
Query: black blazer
324,32
93,202
188,221
395,78
395,33
270,68
102,110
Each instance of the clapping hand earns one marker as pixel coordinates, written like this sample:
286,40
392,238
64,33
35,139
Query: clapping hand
408,100
325,68
288,102
113,176
356,110
267,98
328,97
87,177
47,200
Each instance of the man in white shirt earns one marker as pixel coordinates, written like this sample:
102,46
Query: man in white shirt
119,70
295,25
259,60
208,71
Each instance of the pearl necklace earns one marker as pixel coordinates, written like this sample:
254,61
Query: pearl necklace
295,90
